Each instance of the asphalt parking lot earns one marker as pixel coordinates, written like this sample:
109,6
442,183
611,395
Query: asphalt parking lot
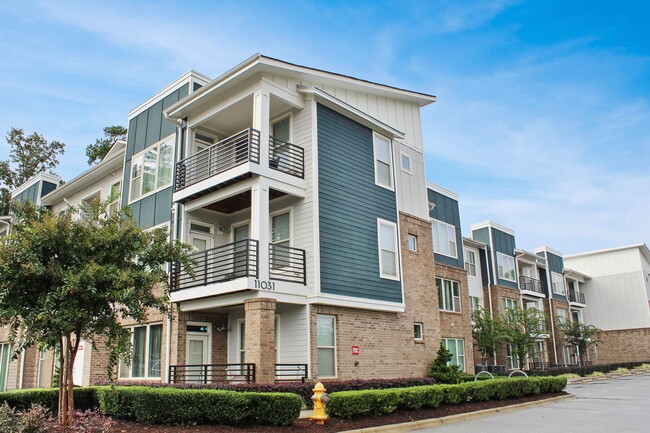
607,406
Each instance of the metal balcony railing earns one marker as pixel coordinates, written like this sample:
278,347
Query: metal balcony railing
530,284
290,372
219,264
576,297
220,157
287,264
286,157
208,373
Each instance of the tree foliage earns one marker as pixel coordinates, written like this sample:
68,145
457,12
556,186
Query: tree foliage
29,155
523,327
579,335
487,333
98,150
441,370
64,278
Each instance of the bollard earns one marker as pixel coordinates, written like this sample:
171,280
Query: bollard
320,399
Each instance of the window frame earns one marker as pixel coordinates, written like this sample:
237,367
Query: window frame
333,348
436,225
443,302
474,304
420,326
415,243
391,180
380,249
147,354
445,342
503,259
140,155
409,169
117,201
5,357
561,277
469,263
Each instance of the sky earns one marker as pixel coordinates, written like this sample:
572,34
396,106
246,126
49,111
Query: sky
542,122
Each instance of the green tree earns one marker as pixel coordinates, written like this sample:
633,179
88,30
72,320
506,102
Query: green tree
487,333
65,279
441,370
579,335
97,151
523,327
29,155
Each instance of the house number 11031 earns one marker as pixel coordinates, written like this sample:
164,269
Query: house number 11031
264,285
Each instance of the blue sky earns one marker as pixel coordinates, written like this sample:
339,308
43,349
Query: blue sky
542,122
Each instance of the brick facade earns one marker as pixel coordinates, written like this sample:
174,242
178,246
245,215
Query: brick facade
624,345
498,311
260,337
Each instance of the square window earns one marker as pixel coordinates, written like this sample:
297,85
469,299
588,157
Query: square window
406,163
412,242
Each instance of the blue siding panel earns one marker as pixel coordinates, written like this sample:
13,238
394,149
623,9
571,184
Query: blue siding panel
349,205
47,188
153,125
141,132
446,210
555,264
147,210
163,206
503,243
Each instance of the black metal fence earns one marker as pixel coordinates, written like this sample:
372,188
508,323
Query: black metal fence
208,373
576,297
286,157
530,284
287,264
290,372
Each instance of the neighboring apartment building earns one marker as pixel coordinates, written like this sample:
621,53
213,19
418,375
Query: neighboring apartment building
616,299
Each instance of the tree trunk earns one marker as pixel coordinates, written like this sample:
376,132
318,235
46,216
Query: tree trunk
63,413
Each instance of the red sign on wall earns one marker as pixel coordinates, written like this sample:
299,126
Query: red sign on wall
355,350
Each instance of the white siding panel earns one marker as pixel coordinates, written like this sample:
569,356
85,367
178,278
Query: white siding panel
104,185
475,283
294,341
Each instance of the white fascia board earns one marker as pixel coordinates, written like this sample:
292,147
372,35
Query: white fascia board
492,224
642,247
354,302
93,174
548,249
352,112
472,243
440,190
576,275
49,177
178,82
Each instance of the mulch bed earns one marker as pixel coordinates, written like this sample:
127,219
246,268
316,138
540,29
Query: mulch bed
333,424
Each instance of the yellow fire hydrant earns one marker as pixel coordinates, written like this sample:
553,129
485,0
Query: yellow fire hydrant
320,399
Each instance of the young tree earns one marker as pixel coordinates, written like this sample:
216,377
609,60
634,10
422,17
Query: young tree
487,333
441,371
97,151
523,327
30,155
578,335
64,279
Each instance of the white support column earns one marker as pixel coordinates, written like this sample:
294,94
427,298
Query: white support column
260,224
261,119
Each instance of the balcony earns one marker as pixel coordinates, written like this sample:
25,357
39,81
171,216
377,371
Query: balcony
286,157
287,264
531,285
576,297
236,150
217,265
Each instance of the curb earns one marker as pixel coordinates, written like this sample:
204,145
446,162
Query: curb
434,422
608,376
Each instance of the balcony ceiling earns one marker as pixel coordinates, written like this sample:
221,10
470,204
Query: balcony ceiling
239,202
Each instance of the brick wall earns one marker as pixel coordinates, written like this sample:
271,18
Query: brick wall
498,311
624,345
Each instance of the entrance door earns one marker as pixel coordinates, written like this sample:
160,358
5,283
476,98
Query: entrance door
240,257
198,357
201,241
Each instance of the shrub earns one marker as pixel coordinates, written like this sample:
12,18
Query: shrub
90,421
22,399
596,374
620,370
34,420
643,366
174,406
442,371
584,370
349,404
9,419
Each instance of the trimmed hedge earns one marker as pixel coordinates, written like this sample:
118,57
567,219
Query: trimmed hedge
84,398
584,370
304,390
200,406
348,404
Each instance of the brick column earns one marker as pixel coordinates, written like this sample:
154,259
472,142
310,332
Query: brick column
260,337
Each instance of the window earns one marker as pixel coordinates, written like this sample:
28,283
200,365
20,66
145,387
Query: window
151,170
575,315
412,242
242,342
5,357
562,315
513,362
444,238
417,331
509,304
457,348
557,281
470,262
42,369
448,294
146,355
388,258
114,198
383,162
88,204
474,304
280,237
506,266
326,343
406,163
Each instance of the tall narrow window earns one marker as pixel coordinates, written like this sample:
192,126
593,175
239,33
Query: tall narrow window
281,240
506,265
42,369
448,294
242,342
470,262
114,198
388,258
557,281
457,348
5,352
146,355
326,343
383,162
